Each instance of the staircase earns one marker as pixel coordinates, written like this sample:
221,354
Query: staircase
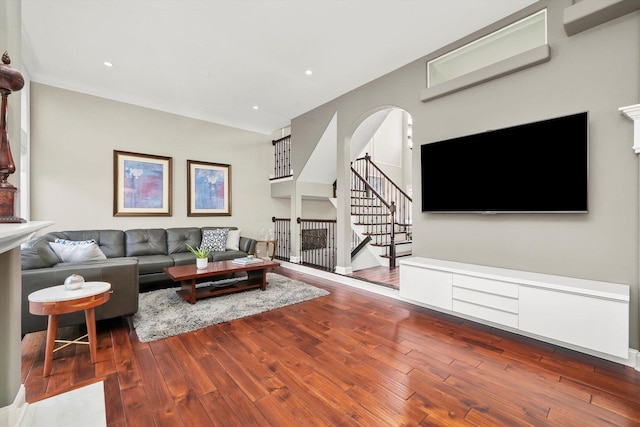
380,210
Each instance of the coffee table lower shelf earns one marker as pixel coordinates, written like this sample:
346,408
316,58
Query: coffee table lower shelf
213,290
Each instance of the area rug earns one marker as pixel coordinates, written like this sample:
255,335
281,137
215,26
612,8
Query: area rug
162,313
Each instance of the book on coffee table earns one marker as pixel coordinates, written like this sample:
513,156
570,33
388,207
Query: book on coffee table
247,260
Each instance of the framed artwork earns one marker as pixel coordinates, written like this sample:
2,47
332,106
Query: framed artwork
208,189
141,184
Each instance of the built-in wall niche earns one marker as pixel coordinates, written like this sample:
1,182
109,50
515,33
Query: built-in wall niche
516,46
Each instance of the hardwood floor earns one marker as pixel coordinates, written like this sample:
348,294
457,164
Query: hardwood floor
384,276
352,358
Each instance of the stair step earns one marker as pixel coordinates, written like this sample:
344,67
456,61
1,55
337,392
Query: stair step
380,224
368,201
398,243
398,255
369,206
384,233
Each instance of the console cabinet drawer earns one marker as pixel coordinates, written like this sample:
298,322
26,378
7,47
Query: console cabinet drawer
497,302
491,286
486,313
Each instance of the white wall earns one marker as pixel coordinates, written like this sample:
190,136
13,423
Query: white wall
318,209
389,150
72,143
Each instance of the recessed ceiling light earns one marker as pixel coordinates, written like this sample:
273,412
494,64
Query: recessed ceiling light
308,72
108,64
255,107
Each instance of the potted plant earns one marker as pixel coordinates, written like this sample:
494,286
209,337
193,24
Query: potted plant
202,256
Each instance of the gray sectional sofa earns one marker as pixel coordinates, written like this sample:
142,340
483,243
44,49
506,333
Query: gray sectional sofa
131,258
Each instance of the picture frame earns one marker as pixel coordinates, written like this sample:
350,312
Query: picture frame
141,184
208,189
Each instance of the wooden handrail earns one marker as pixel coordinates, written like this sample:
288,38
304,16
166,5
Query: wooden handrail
275,141
299,220
360,246
370,188
367,158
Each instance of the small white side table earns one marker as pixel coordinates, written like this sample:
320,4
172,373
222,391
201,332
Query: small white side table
57,300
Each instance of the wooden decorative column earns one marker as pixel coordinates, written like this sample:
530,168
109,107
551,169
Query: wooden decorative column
10,81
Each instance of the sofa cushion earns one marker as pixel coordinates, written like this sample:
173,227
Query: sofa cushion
77,251
183,258
226,255
37,253
146,241
148,264
177,238
247,245
111,242
215,240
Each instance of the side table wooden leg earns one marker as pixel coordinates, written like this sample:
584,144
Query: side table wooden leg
90,317
52,329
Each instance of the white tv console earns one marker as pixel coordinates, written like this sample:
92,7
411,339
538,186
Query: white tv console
580,314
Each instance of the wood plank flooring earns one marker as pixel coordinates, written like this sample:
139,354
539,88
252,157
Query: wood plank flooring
384,276
348,359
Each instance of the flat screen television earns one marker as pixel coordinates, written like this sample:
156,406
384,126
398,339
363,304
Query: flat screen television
534,167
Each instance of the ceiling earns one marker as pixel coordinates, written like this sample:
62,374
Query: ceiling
215,60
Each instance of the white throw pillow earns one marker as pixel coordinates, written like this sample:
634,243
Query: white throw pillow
77,251
233,240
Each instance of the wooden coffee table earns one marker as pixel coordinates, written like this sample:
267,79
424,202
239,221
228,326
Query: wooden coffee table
189,275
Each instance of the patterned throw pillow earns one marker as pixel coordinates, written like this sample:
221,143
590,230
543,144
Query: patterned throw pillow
215,240
74,242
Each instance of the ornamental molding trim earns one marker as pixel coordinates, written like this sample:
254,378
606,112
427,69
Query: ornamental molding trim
633,112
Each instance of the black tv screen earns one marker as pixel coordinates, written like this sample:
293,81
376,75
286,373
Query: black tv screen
534,167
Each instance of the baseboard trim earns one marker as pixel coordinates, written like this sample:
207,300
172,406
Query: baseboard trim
343,270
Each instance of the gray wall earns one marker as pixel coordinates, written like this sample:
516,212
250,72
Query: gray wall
72,141
597,70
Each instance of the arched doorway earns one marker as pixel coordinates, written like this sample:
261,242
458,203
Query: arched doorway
381,182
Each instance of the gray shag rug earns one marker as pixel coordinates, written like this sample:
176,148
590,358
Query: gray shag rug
163,313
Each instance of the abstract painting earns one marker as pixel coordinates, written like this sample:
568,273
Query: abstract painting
208,189
142,184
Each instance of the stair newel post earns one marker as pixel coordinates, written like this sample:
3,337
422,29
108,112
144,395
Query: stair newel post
367,159
392,248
